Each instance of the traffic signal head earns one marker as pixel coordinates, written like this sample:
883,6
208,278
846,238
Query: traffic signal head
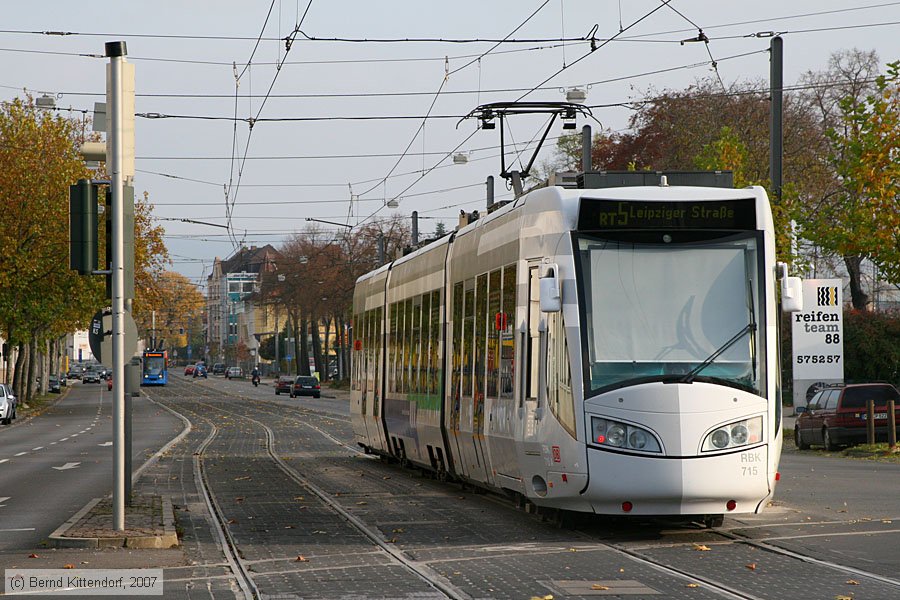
83,227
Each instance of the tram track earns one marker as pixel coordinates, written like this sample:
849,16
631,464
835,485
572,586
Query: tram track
231,547
691,576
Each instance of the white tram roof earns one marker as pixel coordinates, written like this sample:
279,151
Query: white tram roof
566,201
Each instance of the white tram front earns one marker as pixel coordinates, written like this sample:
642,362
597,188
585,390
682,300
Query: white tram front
609,350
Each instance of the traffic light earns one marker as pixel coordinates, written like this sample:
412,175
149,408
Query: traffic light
83,227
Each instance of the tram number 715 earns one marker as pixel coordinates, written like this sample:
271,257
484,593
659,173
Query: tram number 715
749,461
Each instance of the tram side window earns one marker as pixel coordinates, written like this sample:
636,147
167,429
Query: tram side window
393,348
425,351
434,334
357,331
507,335
480,347
415,340
407,344
375,345
456,373
494,327
468,334
559,375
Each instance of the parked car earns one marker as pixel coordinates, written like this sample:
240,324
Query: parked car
8,404
63,380
74,373
189,370
234,373
283,384
836,415
218,369
53,384
305,386
90,376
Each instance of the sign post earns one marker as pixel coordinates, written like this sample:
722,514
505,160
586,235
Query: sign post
818,338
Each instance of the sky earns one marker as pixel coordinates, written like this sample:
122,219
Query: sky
339,118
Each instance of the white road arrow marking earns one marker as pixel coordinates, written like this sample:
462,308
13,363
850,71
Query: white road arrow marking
105,444
67,466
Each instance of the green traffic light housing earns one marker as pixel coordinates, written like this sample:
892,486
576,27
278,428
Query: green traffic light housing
83,227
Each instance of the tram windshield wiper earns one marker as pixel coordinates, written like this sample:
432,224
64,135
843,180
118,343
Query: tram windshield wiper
689,378
748,328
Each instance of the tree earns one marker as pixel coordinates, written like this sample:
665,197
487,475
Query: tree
849,78
862,219
177,305
40,298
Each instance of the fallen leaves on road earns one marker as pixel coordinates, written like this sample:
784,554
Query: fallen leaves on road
597,586
751,566
701,548
852,582
301,558
68,566
693,585
33,556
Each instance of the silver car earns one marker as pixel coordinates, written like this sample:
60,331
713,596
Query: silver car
8,404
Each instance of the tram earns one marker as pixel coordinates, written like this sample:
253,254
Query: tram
610,350
155,369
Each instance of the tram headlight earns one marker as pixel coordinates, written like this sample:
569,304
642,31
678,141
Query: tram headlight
734,435
614,434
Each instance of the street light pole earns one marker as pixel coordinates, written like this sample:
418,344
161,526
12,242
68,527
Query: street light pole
116,52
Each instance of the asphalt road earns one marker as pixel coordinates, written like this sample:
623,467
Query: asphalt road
51,465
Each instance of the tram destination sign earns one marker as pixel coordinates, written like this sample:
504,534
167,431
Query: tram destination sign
691,214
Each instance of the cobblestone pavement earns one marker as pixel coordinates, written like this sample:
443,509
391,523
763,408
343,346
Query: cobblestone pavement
476,545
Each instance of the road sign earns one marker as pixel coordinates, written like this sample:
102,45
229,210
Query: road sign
100,335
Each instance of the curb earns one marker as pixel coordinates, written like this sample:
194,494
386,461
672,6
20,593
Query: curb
167,539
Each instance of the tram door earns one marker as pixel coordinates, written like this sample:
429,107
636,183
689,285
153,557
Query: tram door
531,352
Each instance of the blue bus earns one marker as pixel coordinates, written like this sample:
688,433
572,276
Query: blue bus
155,367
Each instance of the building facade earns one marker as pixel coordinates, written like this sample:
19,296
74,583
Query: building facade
235,316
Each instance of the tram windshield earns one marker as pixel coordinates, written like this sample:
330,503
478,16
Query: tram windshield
672,313
154,365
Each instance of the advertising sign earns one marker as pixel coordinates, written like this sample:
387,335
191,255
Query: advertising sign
818,331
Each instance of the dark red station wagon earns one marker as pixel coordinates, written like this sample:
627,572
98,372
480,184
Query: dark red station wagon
836,415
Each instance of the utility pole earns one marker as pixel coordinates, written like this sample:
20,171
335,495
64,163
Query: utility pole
776,84
116,52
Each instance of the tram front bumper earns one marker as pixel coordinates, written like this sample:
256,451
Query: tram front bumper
699,485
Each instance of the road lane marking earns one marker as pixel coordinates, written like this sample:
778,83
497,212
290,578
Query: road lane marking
69,465
4,499
52,443
3,460
20,454
105,444
23,529
74,435
38,448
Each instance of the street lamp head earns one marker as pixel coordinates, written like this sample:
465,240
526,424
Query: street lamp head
46,101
